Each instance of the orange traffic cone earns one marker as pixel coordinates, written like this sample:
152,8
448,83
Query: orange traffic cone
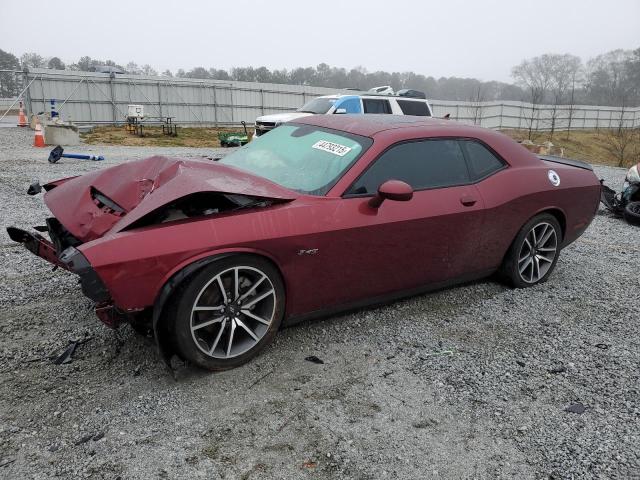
22,118
38,140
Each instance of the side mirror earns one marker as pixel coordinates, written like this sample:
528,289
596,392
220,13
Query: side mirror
392,190
340,110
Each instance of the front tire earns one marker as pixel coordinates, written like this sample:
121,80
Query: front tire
228,312
534,252
632,213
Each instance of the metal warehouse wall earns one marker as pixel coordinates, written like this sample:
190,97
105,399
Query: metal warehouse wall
97,98
87,97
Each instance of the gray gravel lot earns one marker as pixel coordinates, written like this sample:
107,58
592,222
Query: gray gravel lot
470,382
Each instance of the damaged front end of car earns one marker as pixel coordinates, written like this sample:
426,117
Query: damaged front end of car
60,251
94,213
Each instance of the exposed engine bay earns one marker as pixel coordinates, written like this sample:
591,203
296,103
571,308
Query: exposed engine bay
201,204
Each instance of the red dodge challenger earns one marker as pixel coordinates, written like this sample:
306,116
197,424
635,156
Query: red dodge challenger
326,214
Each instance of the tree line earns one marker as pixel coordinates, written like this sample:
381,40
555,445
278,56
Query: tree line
612,78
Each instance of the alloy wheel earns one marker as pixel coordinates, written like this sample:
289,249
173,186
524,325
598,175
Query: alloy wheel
538,252
233,312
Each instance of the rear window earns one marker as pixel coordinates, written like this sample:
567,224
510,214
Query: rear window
481,161
419,109
374,105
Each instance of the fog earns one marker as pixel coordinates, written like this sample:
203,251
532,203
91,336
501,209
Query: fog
483,39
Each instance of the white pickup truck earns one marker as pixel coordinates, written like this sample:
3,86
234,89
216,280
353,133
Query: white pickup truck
336,104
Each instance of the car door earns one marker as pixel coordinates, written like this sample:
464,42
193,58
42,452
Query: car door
485,168
429,239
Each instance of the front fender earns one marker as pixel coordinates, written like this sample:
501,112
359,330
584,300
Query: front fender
177,277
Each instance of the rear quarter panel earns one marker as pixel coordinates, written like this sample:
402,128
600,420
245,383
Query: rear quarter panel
515,195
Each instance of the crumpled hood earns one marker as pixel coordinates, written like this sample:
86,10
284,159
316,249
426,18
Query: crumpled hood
282,117
92,204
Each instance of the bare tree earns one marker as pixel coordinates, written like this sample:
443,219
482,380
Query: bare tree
84,64
612,78
132,68
148,70
562,72
33,60
623,140
476,104
534,75
577,79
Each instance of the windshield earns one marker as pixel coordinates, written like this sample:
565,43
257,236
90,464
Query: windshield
318,105
304,158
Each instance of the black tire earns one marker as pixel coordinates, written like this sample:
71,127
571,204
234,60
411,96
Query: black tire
192,346
520,254
632,213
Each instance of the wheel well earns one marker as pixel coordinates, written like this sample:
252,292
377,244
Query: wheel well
179,280
560,217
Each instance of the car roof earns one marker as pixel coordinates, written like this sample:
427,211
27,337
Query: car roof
372,124
371,95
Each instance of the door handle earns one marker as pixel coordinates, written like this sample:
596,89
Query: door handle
468,200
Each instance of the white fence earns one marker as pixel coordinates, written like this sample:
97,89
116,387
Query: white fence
96,98
523,115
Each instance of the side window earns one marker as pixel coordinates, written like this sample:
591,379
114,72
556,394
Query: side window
351,105
375,105
412,107
482,162
422,164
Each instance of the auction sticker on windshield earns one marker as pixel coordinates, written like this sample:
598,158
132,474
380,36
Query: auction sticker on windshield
335,148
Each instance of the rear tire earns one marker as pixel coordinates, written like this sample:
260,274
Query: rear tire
534,252
632,213
228,312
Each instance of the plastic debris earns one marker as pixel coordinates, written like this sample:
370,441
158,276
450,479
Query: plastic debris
314,359
576,408
84,439
65,357
558,369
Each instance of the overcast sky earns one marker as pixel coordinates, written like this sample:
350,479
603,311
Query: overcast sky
481,38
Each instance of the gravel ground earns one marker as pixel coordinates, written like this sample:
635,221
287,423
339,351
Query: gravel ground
470,382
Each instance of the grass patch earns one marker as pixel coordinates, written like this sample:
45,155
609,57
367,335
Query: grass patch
187,137
593,146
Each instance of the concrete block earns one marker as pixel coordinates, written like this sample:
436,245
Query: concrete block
61,134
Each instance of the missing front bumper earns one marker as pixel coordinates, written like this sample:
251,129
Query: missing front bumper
70,259
36,244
